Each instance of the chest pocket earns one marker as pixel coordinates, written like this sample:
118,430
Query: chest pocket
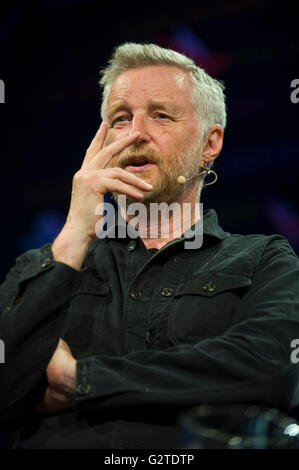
85,313
203,306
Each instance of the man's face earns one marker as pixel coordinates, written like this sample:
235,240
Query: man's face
156,101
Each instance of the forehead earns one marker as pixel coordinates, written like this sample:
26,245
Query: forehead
161,82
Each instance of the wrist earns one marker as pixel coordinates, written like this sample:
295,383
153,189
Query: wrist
70,247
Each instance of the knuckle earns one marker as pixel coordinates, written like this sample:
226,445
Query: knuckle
77,176
117,171
111,172
83,177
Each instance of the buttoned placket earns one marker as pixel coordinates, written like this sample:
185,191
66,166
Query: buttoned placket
137,300
138,304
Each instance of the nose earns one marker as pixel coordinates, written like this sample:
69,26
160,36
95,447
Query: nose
140,124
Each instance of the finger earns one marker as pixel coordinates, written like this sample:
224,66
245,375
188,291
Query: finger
97,142
119,187
63,345
104,156
126,177
53,401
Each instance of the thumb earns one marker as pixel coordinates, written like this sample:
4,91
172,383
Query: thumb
63,345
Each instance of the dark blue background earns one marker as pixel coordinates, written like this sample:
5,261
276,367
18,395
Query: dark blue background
50,56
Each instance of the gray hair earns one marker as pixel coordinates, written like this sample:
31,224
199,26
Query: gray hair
207,95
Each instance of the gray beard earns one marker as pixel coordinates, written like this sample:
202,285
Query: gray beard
167,191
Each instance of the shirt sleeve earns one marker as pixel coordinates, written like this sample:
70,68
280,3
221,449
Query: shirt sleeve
31,298
250,363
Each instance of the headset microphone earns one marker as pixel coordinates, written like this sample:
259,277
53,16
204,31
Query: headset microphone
182,180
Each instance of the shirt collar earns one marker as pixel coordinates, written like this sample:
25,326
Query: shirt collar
209,224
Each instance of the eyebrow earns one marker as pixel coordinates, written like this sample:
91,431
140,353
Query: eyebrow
154,104
119,106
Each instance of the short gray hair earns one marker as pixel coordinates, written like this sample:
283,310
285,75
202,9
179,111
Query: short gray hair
208,93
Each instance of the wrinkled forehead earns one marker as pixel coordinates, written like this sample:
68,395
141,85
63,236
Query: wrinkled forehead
158,80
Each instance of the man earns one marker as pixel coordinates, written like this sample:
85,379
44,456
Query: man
108,339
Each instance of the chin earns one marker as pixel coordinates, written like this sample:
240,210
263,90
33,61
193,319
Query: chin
146,175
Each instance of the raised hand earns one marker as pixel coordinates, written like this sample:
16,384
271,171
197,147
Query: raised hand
90,184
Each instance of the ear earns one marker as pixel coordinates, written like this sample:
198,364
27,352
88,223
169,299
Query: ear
213,143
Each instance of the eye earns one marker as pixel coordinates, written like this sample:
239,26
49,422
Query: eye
162,116
119,120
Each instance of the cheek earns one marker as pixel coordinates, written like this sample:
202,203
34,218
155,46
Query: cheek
113,135
167,140
174,143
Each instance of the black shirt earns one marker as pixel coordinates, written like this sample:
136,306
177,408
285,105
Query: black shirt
155,332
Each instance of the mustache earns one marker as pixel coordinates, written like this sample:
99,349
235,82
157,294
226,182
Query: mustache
135,150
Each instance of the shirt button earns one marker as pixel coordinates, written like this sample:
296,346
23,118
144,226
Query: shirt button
131,245
167,291
135,295
46,262
83,389
209,286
